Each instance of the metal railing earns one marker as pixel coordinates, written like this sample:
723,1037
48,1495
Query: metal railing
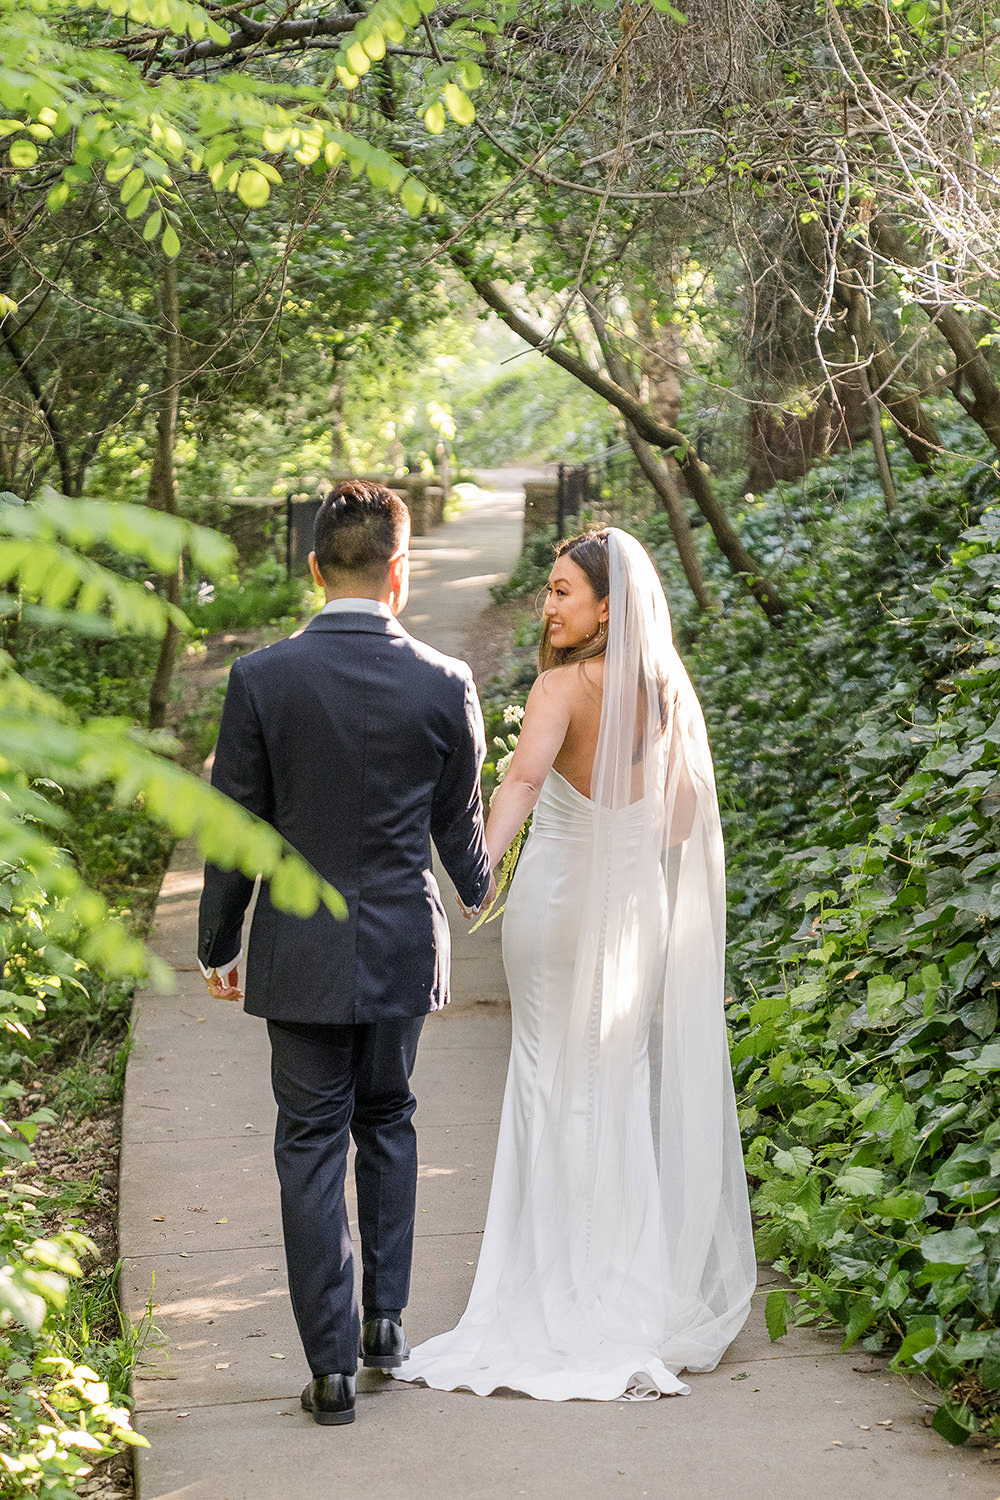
605,487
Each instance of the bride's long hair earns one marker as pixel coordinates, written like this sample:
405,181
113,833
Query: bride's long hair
589,551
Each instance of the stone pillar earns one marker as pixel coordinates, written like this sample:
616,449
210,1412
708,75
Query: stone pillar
434,495
414,490
423,496
540,505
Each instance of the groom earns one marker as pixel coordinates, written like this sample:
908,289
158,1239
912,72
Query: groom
359,744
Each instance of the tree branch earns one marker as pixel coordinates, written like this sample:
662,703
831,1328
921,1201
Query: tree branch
45,407
643,423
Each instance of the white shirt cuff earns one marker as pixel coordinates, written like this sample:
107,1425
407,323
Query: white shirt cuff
221,968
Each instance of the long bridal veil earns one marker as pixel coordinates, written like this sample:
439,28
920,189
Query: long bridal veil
657,864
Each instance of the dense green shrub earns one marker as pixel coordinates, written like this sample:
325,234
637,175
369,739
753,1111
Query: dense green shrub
870,1081
72,761
263,595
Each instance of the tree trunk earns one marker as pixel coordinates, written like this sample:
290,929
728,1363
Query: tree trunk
337,428
971,366
882,463
639,415
162,483
47,411
660,358
659,472
659,475
914,426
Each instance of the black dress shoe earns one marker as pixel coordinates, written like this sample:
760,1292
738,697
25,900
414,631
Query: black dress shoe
383,1344
330,1398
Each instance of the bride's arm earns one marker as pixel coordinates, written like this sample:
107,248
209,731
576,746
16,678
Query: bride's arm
543,729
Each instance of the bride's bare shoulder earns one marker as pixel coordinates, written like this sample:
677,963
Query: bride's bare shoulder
572,682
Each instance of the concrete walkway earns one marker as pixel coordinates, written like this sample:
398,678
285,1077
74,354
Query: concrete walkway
217,1396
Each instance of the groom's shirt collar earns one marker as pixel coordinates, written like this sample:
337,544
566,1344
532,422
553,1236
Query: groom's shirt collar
357,607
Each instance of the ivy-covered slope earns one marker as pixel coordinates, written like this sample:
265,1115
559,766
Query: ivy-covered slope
865,965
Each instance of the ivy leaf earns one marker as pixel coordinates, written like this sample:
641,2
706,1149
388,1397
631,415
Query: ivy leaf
860,1182
952,1247
794,1162
954,1423
899,1205
776,1314
884,994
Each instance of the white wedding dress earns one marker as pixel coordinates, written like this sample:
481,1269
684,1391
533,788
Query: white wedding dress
617,1249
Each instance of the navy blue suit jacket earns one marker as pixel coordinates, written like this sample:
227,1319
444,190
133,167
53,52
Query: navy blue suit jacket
359,744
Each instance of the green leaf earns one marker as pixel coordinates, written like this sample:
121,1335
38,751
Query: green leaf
358,59
776,1314
989,1369
413,197
987,1060
916,1340
171,243
954,1423
863,1315
666,9
967,1177
434,118
460,106
768,1008
860,1182
133,182
151,228
795,1162
253,188
23,154
294,888
952,1247
139,204
20,1301
884,994
899,1205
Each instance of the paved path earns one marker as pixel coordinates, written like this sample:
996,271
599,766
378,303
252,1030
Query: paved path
218,1397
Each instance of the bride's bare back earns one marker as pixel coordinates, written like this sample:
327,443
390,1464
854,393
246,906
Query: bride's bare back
562,719
580,687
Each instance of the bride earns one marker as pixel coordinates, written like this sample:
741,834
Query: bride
617,1250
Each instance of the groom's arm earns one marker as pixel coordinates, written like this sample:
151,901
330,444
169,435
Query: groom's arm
457,811
242,771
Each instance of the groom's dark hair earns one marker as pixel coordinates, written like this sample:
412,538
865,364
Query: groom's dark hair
359,527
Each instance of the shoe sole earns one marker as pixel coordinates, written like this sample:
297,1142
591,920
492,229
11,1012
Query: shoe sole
383,1361
330,1418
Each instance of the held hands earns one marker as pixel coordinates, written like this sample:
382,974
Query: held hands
227,988
468,912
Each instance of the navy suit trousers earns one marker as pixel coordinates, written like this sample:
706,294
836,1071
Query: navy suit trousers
331,1082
